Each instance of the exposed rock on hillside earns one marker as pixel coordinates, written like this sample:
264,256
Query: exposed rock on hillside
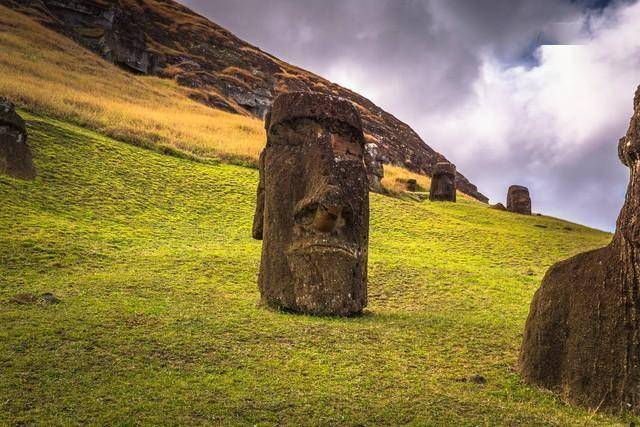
161,37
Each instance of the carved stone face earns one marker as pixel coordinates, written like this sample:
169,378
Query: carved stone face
313,207
443,183
518,200
629,153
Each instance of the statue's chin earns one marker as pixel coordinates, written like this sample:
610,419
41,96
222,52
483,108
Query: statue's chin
327,279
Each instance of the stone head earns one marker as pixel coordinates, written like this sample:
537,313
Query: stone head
9,118
16,159
313,206
519,200
629,153
443,182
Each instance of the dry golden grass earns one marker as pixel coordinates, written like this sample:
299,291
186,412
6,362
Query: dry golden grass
47,73
395,181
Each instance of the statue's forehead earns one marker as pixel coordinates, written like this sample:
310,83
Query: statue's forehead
313,106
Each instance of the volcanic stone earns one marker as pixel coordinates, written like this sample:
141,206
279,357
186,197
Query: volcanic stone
15,155
313,207
374,166
518,200
582,337
443,183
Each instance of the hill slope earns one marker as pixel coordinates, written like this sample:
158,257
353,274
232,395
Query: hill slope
152,258
163,38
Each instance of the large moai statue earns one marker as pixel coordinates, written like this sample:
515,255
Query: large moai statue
518,200
15,155
313,207
443,183
582,337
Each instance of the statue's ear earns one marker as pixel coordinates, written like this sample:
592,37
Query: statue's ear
258,218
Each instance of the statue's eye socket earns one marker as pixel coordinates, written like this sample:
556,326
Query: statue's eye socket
307,214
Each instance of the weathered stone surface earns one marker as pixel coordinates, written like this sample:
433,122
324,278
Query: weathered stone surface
443,183
582,337
374,165
15,156
166,39
313,207
498,207
518,200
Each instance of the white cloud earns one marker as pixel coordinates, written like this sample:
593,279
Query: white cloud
548,119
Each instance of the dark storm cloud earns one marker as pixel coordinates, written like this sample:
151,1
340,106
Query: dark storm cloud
425,60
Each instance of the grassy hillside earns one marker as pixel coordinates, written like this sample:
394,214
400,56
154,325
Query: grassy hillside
49,74
152,258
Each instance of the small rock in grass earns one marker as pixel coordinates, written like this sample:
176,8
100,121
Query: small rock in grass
24,299
30,299
48,299
477,379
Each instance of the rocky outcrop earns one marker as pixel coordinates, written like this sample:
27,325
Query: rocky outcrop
375,166
166,39
582,337
15,155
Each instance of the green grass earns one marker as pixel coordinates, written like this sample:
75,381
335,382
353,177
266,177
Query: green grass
153,260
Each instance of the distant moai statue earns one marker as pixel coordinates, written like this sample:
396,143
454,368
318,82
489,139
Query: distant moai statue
582,337
443,183
518,200
412,185
15,156
313,207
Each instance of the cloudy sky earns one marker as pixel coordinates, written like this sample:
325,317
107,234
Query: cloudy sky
524,92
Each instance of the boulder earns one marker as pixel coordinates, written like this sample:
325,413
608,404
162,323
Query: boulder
16,159
498,207
582,336
312,209
443,183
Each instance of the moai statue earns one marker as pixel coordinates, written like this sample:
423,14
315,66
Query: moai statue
582,337
443,183
15,155
313,207
518,200
374,166
412,185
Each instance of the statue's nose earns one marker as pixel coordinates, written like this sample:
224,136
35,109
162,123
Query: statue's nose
327,218
325,214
